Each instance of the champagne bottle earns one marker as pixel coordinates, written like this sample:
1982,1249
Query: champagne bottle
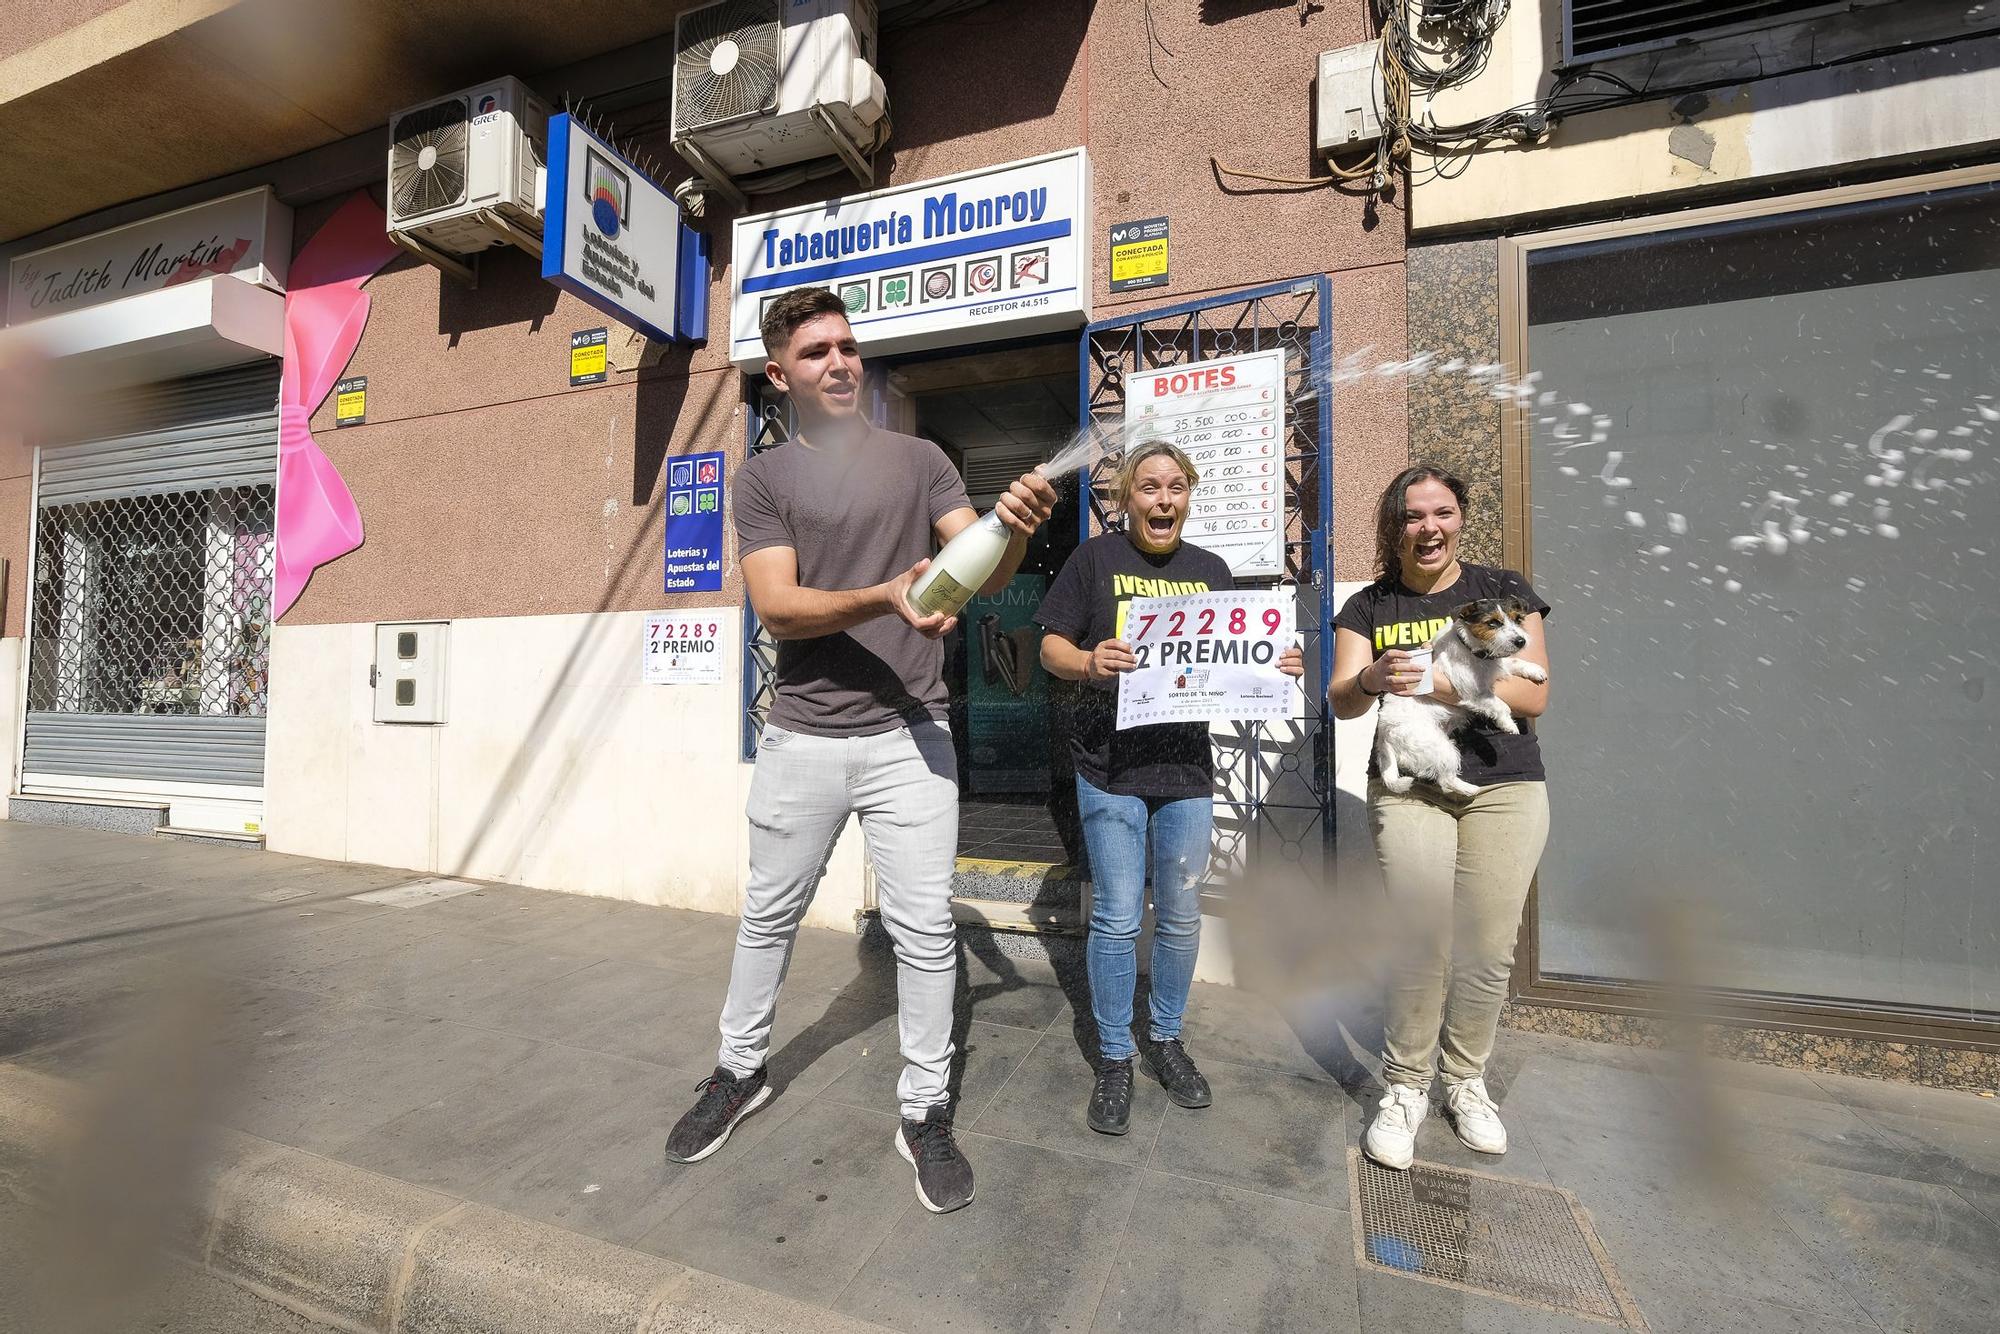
956,572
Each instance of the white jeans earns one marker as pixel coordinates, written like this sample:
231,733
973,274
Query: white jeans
904,786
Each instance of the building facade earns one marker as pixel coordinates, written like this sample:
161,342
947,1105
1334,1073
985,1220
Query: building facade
515,512
1698,305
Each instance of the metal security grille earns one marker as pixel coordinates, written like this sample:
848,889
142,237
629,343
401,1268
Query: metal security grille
150,633
1274,781
1528,1244
154,604
771,424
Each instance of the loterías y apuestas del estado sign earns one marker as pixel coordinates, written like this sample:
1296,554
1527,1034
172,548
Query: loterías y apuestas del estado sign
247,235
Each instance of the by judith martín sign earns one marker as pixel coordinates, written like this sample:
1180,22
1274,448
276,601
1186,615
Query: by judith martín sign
248,235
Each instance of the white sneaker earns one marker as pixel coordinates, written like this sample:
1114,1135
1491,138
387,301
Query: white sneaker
1473,1115
1392,1136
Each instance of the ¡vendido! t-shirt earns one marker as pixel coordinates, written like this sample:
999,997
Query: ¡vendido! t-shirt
1388,615
1087,604
855,515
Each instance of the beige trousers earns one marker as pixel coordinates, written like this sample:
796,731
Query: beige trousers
1460,870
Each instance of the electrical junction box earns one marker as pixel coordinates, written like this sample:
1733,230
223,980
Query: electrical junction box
408,675
1349,92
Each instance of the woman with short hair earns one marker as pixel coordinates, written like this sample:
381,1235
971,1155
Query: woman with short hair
1142,790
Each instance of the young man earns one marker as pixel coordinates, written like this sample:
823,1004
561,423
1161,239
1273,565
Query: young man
832,529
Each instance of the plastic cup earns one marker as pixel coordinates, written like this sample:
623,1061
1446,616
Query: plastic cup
1420,658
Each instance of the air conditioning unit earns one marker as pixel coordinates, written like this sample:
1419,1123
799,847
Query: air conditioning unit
465,173
765,84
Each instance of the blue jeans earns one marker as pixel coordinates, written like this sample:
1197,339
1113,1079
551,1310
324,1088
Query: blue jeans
1118,830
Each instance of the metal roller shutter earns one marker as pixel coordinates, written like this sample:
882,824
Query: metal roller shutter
143,745
150,643
209,431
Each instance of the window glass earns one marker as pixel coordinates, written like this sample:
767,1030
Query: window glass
1765,508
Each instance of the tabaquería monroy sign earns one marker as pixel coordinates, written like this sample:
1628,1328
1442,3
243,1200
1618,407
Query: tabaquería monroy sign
992,253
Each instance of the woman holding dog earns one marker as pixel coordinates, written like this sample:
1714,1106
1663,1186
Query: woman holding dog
1460,866
1140,791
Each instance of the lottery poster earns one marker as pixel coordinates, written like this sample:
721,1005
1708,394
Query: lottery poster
1207,657
682,648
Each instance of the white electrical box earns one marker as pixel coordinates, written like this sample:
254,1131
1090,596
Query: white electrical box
1349,115
408,675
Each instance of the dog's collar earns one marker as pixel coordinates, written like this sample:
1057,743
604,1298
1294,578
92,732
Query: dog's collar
1485,653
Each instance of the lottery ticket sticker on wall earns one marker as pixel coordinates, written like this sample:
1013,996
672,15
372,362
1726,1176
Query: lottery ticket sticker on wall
939,284
855,297
982,276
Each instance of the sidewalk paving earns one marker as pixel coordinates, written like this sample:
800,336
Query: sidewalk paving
527,1052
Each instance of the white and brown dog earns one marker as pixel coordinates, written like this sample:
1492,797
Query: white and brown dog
1413,733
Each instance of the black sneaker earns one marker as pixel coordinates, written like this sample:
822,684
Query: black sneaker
724,1101
1169,1063
944,1178
1110,1110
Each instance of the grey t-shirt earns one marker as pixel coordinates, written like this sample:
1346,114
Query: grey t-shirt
854,515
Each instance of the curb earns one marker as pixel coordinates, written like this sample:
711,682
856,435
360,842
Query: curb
360,1251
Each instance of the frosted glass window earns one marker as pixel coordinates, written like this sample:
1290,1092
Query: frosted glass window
1766,508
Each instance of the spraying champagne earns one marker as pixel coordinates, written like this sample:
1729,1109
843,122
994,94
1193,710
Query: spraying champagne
969,559
958,571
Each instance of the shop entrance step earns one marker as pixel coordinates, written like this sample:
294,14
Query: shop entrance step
1033,909
1000,915
222,838
110,815
1041,883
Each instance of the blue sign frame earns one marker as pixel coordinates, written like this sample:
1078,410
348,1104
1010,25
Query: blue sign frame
692,269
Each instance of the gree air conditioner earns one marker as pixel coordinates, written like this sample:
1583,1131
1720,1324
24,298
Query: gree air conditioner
761,85
465,173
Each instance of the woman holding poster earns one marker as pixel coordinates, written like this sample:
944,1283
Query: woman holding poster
1460,866
1145,789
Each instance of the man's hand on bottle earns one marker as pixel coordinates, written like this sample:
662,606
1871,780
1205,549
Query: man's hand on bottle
1027,504
1108,660
897,592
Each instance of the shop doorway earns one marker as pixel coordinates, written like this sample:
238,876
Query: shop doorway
996,414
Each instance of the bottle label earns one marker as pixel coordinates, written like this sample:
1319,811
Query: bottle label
945,595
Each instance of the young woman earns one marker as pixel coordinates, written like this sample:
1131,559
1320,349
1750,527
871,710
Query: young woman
1460,866
1146,788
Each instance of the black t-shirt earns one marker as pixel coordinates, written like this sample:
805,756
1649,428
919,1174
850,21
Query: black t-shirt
1388,615
1086,604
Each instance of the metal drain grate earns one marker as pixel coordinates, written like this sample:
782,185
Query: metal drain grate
1527,1244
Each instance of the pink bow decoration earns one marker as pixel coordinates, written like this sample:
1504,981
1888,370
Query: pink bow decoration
325,312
